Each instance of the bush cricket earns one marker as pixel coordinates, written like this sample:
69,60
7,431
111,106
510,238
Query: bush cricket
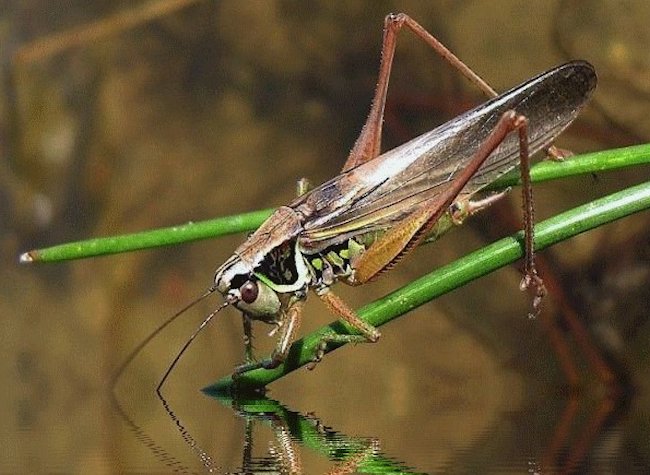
362,222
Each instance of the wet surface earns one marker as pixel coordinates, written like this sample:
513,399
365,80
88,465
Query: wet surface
218,108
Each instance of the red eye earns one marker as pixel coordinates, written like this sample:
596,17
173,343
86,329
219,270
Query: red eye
249,292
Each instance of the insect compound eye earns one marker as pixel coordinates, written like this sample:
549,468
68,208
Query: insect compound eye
258,300
249,292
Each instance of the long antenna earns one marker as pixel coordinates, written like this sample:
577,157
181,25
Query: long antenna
152,335
188,343
141,435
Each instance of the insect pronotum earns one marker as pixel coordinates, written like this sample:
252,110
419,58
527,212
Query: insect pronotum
363,221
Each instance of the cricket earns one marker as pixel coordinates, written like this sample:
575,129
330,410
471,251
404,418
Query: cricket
361,223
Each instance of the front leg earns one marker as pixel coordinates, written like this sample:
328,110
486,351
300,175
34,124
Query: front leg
289,326
249,357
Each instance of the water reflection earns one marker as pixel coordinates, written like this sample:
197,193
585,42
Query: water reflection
582,431
290,434
293,432
578,429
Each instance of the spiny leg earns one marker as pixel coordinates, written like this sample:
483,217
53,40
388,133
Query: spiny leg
531,278
368,333
368,145
289,326
409,232
552,152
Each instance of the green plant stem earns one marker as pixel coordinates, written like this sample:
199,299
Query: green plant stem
447,278
543,171
149,239
588,163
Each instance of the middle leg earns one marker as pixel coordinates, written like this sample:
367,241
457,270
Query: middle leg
368,333
288,330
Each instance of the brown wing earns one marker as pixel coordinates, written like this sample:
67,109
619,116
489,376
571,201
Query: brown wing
378,193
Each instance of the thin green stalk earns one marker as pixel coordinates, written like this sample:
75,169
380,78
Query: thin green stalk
452,276
149,239
443,280
543,171
588,163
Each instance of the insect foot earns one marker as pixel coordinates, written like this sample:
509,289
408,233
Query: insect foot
532,280
320,352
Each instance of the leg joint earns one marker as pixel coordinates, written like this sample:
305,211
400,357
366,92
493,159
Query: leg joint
395,20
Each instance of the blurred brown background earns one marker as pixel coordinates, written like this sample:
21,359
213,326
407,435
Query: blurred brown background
117,117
